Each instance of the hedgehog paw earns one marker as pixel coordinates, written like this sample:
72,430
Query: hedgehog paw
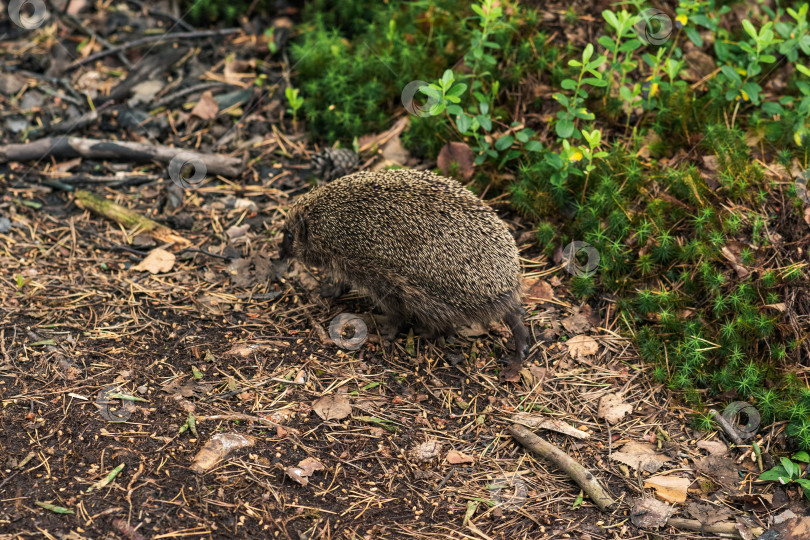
333,288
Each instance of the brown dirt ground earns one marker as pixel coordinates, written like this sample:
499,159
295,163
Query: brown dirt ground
248,352
84,320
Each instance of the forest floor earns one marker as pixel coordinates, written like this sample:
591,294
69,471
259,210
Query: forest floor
106,354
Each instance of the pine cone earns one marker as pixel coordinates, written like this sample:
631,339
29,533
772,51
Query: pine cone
332,163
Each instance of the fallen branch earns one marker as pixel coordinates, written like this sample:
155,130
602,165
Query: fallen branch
128,218
202,87
729,527
70,147
69,126
177,36
727,426
577,472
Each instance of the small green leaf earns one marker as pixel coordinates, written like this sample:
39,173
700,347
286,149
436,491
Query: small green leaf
463,122
385,424
54,508
732,75
587,53
694,36
436,109
431,92
791,468
564,128
611,19
523,135
533,146
561,99
777,474
802,456
457,90
749,29
485,121
606,42
504,142
593,81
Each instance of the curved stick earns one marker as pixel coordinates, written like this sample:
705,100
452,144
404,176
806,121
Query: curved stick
577,472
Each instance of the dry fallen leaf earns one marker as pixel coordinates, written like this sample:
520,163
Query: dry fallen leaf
640,456
649,513
394,151
577,323
427,451
708,514
582,346
243,350
305,469
533,375
669,488
158,261
334,407
612,408
511,372
460,153
454,458
218,448
720,468
206,108
717,448
538,290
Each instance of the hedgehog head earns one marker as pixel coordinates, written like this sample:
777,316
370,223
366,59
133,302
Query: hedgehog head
294,236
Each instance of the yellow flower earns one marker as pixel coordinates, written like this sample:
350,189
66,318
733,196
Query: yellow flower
650,89
576,155
682,19
798,137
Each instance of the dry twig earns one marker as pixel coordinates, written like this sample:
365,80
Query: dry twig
577,472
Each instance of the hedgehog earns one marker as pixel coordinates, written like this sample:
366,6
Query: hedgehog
422,246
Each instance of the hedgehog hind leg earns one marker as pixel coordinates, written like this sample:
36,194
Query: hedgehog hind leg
520,334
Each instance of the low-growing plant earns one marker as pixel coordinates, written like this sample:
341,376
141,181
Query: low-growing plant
662,171
790,472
